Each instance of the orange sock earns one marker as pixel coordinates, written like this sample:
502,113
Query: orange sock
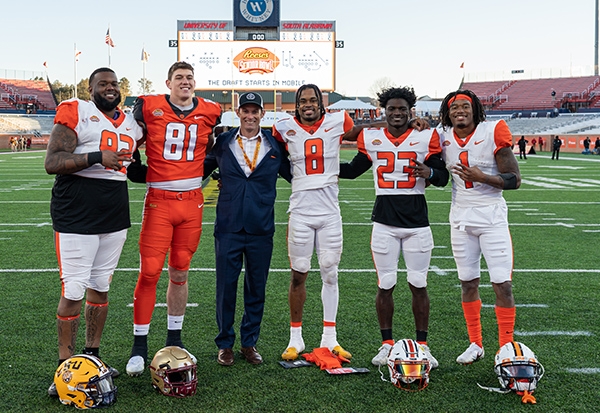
506,324
472,312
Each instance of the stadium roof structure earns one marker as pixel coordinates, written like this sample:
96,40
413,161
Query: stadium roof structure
355,104
230,119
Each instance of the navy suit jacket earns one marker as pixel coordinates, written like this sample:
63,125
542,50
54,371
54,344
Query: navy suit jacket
247,202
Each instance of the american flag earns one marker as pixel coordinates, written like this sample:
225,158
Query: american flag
108,40
145,55
77,53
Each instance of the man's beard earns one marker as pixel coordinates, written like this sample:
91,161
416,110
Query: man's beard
104,104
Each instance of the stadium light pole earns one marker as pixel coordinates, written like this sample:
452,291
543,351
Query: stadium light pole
596,42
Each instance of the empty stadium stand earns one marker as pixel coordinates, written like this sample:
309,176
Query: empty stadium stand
570,93
24,94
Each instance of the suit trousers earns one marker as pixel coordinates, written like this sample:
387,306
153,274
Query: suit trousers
231,251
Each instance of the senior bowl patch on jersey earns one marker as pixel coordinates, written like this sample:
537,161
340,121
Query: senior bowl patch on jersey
94,118
291,132
157,112
376,142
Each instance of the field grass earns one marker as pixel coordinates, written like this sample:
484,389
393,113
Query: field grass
555,228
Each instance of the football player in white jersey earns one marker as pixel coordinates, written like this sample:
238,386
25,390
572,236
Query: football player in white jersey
404,162
313,140
479,156
89,149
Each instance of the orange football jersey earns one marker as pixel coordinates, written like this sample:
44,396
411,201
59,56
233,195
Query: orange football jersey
175,142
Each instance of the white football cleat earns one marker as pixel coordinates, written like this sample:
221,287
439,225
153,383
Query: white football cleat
433,363
382,356
471,354
135,366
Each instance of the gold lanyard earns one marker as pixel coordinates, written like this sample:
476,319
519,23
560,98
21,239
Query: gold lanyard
251,164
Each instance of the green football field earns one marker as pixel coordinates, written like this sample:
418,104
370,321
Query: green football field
555,226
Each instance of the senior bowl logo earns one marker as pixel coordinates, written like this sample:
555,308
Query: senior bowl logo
157,112
256,60
446,143
256,11
291,132
376,142
94,118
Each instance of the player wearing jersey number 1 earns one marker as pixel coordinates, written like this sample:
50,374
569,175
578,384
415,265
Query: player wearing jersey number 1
178,129
482,164
89,148
404,162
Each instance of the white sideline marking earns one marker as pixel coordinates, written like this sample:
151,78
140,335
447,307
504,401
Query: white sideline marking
519,305
442,258
553,333
165,305
587,370
437,270
558,219
523,209
532,214
560,167
591,230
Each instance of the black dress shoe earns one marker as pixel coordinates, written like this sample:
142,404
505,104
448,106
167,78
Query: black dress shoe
251,355
225,357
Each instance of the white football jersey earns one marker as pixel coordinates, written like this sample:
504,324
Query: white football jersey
479,150
391,157
95,132
315,157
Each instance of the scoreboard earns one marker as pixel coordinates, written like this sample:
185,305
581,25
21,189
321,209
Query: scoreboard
304,53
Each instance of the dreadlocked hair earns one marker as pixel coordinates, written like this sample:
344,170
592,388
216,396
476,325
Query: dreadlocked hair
406,93
317,92
478,110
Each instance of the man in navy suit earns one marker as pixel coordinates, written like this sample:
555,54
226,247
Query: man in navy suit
249,160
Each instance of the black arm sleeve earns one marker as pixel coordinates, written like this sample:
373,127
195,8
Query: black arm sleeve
440,173
358,166
285,170
136,171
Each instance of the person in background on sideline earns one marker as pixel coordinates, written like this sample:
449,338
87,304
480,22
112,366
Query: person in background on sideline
556,144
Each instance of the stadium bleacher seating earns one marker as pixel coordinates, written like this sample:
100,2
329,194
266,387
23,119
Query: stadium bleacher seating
17,93
532,94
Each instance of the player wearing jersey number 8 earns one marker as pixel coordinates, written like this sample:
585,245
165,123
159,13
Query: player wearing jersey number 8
482,165
313,140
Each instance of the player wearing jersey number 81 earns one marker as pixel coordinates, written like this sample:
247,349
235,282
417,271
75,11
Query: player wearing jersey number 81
178,130
482,165
404,162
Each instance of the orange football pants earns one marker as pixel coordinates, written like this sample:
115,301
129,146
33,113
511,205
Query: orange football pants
171,221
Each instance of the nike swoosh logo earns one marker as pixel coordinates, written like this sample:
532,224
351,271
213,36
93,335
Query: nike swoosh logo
127,128
413,143
198,117
478,142
327,130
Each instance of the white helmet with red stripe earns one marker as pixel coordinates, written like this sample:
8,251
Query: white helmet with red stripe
408,366
517,367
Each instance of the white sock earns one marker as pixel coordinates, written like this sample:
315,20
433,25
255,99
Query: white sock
296,340
174,322
330,297
141,329
329,338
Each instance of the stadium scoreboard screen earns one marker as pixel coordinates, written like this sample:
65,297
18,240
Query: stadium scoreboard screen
282,58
